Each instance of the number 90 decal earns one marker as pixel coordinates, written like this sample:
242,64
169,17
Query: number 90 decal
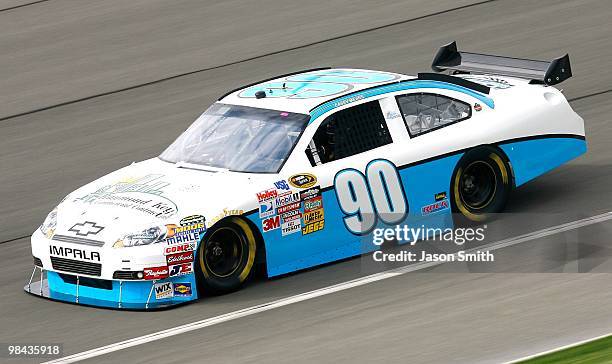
364,199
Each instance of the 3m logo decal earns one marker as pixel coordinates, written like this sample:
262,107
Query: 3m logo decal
271,223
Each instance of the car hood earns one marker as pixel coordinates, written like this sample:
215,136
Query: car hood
156,193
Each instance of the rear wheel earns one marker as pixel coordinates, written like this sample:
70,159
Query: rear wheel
226,256
481,184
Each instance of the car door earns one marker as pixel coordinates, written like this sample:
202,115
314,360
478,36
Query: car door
347,138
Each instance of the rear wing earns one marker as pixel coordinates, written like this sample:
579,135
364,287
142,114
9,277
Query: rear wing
549,73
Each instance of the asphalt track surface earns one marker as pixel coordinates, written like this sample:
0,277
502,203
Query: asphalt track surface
55,53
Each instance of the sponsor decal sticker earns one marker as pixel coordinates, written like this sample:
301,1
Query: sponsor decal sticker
282,185
271,223
291,215
303,180
163,290
182,289
291,226
178,258
185,233
313,204
74,253
180,269
477,107
310,193
440,196
287,198
434,207
179,248
290,207
267,208
155,273
313,216
223,214
314,227
267,194
192,220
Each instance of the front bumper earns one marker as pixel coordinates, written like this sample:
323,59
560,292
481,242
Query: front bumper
129,295
103,290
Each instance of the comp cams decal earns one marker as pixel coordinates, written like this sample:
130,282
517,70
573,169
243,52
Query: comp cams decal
179,248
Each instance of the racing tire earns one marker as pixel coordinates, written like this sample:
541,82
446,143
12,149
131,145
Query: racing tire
226,256
481,184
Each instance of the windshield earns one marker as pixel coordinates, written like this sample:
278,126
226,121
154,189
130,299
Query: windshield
238,138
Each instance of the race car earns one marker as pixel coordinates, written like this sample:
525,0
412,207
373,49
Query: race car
297,171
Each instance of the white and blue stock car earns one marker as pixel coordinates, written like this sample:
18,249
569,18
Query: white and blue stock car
293,172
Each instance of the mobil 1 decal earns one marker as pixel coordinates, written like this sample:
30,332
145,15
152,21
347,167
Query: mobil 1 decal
366,198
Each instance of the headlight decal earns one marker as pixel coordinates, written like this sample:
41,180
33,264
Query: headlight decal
189,230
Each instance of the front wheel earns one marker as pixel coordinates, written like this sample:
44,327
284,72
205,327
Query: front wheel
226,256
481,184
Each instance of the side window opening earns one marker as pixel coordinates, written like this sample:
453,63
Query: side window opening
426,112
349,132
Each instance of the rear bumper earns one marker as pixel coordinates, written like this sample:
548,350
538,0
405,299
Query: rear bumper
117,294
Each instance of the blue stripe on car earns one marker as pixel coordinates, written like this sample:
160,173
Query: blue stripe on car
399,86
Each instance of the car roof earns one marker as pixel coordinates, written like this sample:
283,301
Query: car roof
302,91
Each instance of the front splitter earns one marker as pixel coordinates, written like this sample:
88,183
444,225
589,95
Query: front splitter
41,288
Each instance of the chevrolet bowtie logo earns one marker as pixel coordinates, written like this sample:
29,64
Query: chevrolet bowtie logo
86,228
